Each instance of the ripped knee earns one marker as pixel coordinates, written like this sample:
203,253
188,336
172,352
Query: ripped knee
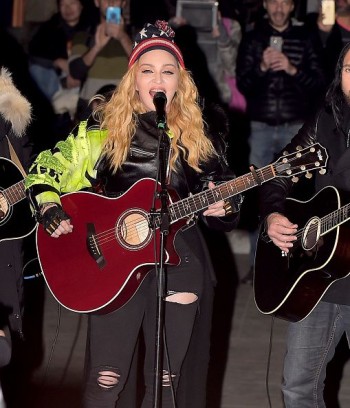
108,378
167,378
184,298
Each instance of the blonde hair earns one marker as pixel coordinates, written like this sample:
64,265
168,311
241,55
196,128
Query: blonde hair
184,119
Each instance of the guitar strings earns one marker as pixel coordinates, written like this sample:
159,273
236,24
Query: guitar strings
181,206
324,223
15,192
109,236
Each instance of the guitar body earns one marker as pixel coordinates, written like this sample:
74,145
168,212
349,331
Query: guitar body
291,286
100,265
17,220
100,278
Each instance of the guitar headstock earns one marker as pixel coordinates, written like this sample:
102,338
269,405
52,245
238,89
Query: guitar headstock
303,160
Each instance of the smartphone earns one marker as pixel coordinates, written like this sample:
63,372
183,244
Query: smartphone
276,42
328,12
113,15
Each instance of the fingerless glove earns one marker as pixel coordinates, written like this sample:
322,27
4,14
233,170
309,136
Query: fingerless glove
52,218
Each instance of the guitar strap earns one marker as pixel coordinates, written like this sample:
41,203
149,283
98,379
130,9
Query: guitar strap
15,158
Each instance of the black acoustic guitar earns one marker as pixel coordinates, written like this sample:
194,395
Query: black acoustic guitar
16,220
290,286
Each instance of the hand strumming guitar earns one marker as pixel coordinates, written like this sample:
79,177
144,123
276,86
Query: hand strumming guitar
281,231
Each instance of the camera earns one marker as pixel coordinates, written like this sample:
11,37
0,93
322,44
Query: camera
202,15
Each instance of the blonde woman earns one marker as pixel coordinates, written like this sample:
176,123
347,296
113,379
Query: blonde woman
111,152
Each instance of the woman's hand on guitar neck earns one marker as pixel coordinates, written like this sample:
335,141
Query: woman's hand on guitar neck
217,209
281,231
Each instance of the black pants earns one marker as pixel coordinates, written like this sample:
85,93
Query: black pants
112,337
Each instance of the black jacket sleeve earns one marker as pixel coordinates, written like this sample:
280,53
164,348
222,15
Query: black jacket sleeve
272,195
218,170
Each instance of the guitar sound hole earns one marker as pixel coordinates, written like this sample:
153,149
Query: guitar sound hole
133,230
311,233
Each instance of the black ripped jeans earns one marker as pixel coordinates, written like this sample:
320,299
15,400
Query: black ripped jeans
112,337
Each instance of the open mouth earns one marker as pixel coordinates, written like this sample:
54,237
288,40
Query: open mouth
152,92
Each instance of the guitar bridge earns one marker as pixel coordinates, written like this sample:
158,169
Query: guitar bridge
93,247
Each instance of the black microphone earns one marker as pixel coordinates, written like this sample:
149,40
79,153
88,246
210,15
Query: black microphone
159,101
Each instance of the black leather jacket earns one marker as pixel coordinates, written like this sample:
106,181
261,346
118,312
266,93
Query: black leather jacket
320,129
142,163
276,97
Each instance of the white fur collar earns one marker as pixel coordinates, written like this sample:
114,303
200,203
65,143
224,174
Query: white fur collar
14,107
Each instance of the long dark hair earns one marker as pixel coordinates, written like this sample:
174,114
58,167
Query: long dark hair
335,96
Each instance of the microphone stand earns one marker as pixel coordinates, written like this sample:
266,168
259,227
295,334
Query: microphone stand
163,152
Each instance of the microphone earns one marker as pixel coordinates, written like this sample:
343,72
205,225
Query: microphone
159,101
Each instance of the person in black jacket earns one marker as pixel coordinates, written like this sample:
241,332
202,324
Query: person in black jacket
279,72
332,37
100,56
113,154
15,151
49,50
312,340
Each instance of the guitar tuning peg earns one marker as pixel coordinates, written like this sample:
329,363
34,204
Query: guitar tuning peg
308,175
322,171
299,148
285,153
295,179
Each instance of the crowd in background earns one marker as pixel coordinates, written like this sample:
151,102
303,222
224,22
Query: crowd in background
52,40
60,57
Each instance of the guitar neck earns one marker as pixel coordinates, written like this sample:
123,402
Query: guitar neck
15,193
335,218
203,200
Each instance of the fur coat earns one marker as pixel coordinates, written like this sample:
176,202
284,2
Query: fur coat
15,110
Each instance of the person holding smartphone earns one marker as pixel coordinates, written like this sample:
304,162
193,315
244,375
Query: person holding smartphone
331,26
279,72
99,57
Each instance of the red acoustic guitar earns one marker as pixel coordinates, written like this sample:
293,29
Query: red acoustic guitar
99,266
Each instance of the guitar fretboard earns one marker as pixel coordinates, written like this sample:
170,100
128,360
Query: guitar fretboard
301,161
15,193
200,201
335,219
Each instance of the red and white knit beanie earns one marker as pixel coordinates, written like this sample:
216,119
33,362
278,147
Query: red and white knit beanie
159,36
